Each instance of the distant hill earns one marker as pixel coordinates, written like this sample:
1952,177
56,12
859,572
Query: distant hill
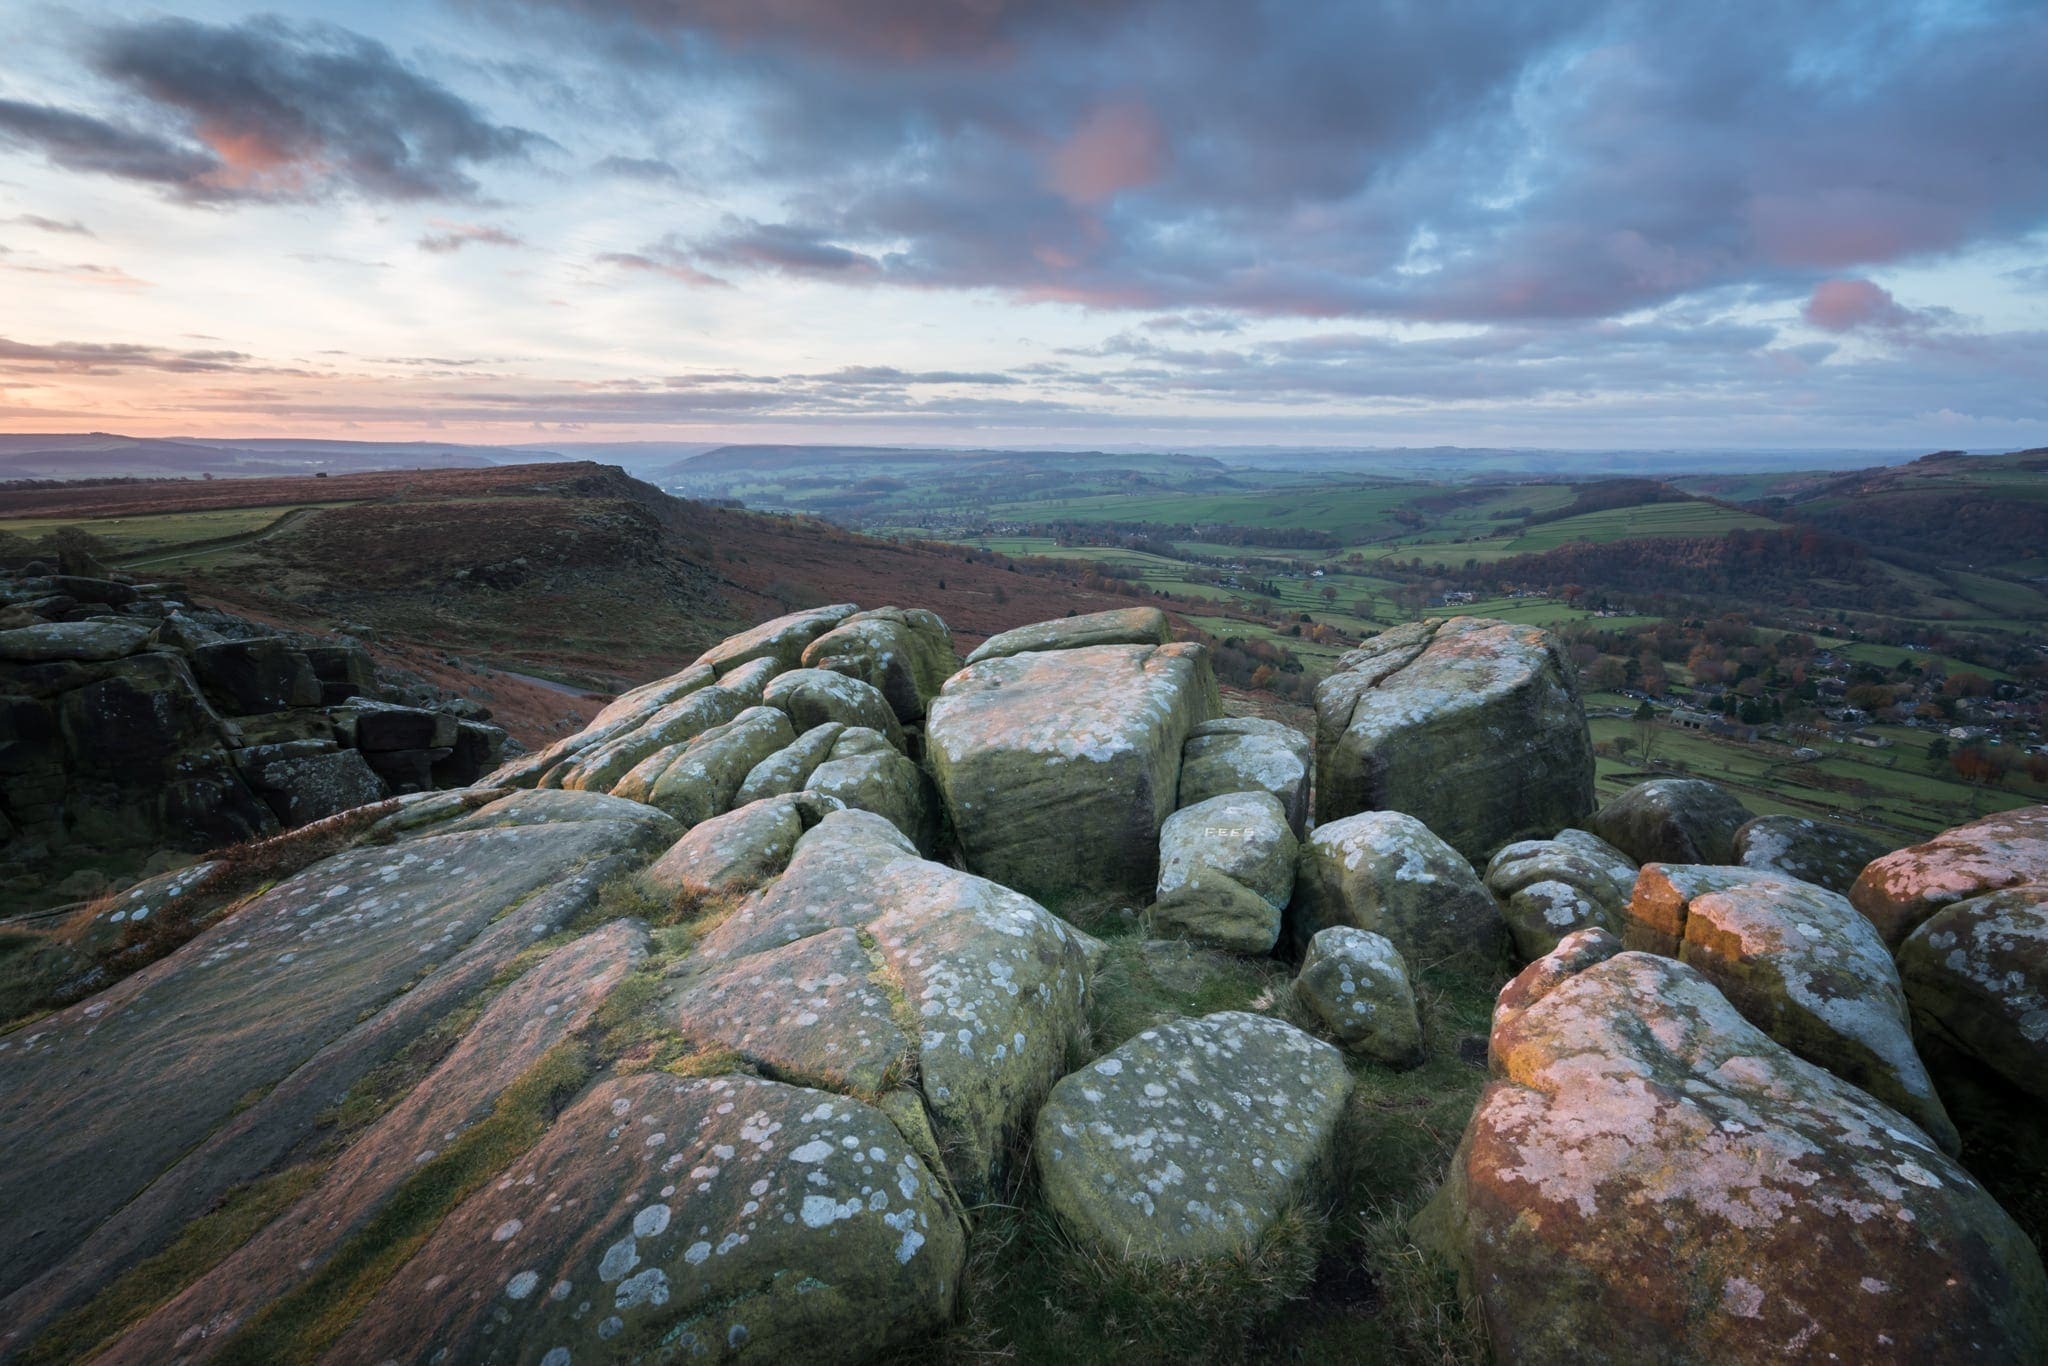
574,570
105,455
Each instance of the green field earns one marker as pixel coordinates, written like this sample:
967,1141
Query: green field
162,531
1893,794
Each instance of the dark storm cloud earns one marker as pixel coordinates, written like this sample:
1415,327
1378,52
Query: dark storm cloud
1465,160
268,110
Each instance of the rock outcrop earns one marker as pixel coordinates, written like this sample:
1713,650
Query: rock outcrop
1901,890
1471,726
1387,872
1827,855
1650,1178
702,1034
1976,974
1192,1139
137,730
1801,965
1673,820
1551,888
1058,766
1226,871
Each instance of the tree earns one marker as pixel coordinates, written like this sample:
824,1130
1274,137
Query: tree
1330,593
1937,751
1646,731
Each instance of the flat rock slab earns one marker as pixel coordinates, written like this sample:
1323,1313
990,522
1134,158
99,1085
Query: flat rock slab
1976,973
1673,820
817,1011
1058,767
1122,626
1648,1177
536,1013
99,1099
1804,967
713,1216
1472,726
1827,855
82,640
1191,1139
1902,889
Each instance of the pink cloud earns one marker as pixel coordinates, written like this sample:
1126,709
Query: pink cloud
1117,147
1847,304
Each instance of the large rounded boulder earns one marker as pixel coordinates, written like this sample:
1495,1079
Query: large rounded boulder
1248,754
1551,888
1904,888
1976,973
1801,965
1470,725
906,653
1813,851
1649,1177
1388,873
1226,870
1673,820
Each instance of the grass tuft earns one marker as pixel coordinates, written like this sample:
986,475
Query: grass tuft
300,1325
198,1248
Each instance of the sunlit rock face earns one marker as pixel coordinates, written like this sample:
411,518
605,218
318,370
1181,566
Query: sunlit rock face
1901,890
1649,1177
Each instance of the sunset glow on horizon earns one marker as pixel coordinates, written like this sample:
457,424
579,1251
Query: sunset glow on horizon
1595,224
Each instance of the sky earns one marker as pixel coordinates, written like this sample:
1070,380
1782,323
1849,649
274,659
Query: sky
1593,224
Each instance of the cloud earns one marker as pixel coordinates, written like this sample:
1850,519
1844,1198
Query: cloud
269,110
103,358
1847,305
650,169
880,32
789,248
35,220
79,272
80,142
1116,147
664,258
455,236
1464,161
